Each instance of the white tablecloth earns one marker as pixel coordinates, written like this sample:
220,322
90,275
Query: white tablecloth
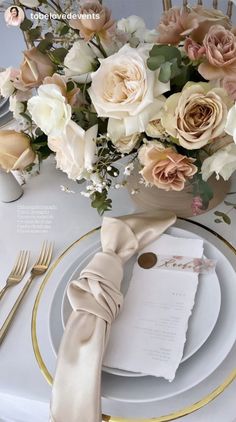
24,393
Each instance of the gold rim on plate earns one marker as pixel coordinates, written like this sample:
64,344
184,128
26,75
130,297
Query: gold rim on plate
165,418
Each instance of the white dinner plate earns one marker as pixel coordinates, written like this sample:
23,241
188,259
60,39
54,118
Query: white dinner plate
140,398
193,370
201,322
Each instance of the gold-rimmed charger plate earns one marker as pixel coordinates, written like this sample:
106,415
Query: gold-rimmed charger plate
172,416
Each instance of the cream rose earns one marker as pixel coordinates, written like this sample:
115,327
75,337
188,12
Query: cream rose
154,128
49,110
79,60
164,167
6,85
127,143
223,163
196,115
230,126
126,91
75,150
15,150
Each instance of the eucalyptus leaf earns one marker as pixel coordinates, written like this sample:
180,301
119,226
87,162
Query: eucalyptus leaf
219,213
168,51
155,62
165,72
26,116
48,36
58,55
26,24
226,219
34,33
70,86
65,29
44,45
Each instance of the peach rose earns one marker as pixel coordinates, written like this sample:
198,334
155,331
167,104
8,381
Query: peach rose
100,21
220,47
164,167
176,24
35,67
15,150
55,79
206,19
196,115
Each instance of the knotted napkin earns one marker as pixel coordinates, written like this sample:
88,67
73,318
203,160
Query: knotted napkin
96,300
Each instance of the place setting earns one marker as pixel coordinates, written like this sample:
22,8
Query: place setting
166,339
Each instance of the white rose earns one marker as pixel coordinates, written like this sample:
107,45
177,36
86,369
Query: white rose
75,150
133,25
124,89
16,107
230,126
79,60
223,163
49,110
6,86
30,3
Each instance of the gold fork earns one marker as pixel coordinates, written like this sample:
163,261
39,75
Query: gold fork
39,268
17,272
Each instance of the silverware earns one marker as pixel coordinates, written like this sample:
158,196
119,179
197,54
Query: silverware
39,268
17,272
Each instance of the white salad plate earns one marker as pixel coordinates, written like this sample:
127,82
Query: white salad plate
201,323
142,396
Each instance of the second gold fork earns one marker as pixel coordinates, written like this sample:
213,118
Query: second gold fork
39,268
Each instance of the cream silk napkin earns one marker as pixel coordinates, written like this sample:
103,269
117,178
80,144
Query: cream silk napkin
96,301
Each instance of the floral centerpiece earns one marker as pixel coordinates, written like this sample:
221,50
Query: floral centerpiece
93,91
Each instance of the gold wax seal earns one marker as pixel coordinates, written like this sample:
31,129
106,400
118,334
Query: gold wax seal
147,260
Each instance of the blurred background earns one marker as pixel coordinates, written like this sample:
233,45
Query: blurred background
12,42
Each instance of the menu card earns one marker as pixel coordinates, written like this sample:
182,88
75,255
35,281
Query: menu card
150,332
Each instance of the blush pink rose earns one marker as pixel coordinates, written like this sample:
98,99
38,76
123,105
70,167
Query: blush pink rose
220,47
229,84
164,167
197,205
194,50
